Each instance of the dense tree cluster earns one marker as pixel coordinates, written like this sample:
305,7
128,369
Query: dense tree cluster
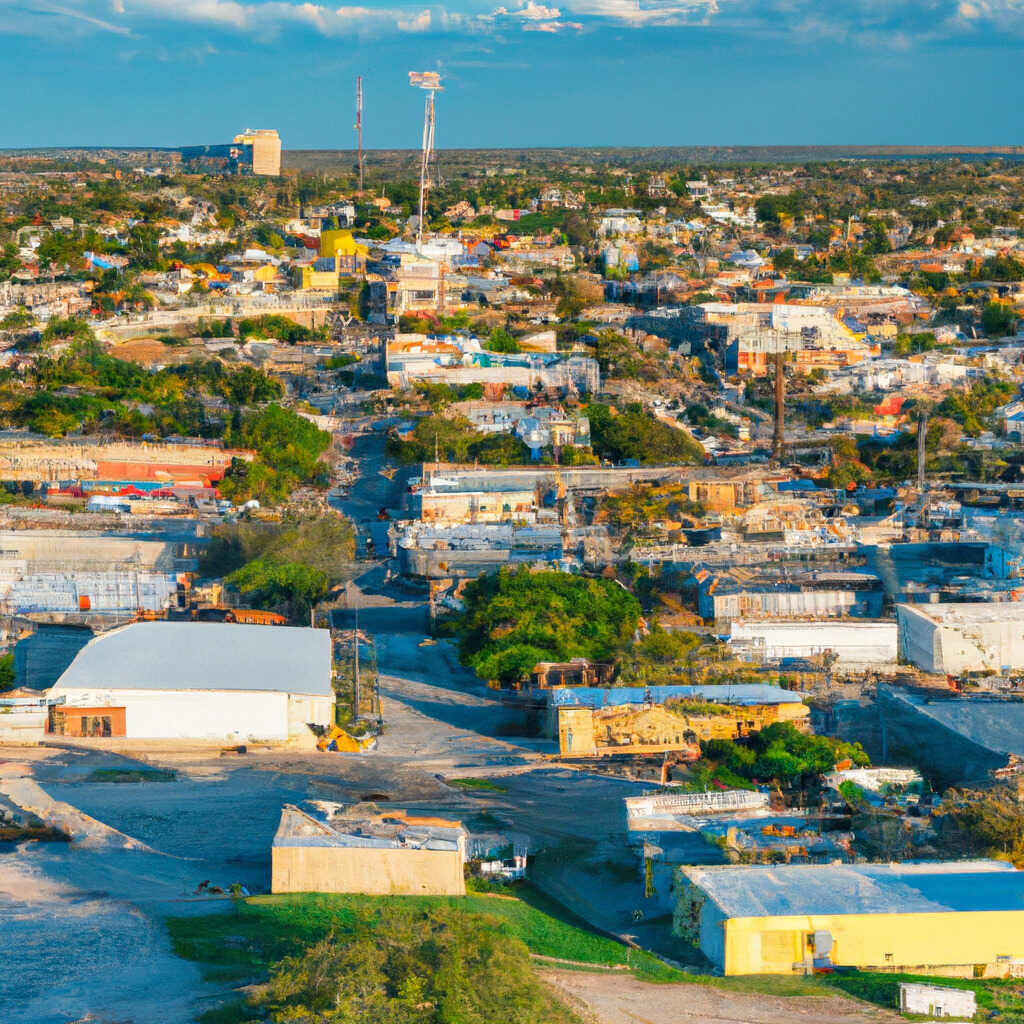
412,966
516,618
288,449
632,434
781,753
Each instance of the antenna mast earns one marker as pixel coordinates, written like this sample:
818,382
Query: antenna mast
359,126
431,82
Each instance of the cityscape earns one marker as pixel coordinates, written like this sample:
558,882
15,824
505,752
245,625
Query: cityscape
577,585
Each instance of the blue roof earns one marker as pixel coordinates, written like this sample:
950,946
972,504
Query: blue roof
736,693
802,484
816,889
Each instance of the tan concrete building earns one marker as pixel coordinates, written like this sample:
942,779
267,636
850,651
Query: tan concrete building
368,851
261,150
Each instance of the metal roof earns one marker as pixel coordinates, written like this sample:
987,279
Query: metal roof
992,723
735,693
818,889
204,656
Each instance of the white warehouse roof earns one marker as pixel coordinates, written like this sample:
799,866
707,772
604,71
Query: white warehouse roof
966,613
204,656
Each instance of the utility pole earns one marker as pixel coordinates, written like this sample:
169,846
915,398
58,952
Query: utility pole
359,127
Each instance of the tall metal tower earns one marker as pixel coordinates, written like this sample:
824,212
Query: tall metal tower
431,82
359,126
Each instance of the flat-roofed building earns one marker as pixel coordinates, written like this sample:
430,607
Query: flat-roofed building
260,151
365,850
963,636
197,680
854,644
958,918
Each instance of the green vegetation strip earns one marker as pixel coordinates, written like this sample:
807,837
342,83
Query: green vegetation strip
477,784
263,930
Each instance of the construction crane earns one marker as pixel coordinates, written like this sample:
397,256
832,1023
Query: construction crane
430,81
359,128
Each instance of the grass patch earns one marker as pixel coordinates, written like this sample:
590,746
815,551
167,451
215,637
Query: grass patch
131,775
1004,997
262,930
484,785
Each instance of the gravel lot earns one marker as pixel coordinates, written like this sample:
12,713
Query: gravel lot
619,999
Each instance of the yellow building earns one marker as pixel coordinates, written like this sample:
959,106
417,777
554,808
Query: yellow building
348,255
596,721
311,280
957,918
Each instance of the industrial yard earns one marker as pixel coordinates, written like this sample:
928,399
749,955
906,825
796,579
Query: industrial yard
215,819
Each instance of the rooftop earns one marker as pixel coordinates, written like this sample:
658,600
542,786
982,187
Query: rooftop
958,613
367,827
204,656
919,888
738,693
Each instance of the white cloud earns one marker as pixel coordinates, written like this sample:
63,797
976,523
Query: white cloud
553,26
531,12
863,24
634,12
417,23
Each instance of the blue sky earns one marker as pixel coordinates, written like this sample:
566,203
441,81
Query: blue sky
581,72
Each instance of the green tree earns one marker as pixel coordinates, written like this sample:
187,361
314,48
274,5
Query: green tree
293,586
515,618
635,434
997,319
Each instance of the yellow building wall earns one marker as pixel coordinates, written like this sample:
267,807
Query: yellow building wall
377,872
341,243
943,943
318,280
582,731
715,496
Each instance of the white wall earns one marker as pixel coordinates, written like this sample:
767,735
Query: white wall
917,638
235,715
860,643
962,646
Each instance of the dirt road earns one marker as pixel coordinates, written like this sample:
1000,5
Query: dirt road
618,999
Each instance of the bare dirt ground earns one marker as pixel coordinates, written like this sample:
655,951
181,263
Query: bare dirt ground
622,999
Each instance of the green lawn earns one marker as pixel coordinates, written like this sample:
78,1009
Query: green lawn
484,785
262,930
1004,998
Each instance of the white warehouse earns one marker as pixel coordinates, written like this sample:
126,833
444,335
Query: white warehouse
197,680
963,636
855,644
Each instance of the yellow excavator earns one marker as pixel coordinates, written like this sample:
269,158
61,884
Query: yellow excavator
336,739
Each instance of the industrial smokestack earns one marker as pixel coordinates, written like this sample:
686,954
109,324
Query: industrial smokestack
922,437
779,439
